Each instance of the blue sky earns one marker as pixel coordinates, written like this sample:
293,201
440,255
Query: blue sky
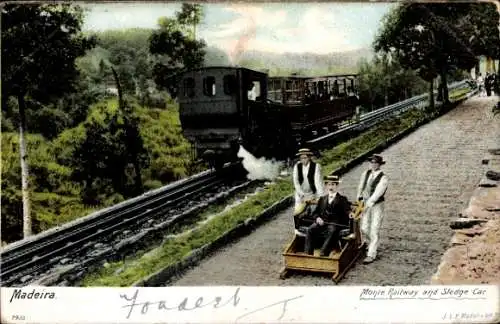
274,27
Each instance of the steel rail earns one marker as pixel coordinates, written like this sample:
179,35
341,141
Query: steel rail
33,252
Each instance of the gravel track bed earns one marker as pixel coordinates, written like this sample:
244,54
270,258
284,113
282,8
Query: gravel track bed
431,177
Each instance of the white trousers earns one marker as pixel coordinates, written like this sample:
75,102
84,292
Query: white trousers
370,225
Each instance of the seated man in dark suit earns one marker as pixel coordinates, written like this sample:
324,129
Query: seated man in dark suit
330,217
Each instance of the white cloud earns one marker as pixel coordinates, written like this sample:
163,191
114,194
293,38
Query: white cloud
250,17
122,15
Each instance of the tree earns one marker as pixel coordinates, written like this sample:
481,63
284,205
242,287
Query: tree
370,87
425,38
110,157
190,15
129,54
112,142
176,51
383,81
39,46
478,26
132,135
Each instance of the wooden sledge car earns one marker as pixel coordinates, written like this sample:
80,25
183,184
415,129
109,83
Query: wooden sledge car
338,262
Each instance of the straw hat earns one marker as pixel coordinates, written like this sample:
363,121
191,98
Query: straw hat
304,151
332,178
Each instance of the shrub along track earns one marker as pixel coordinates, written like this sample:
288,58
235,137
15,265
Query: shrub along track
432,173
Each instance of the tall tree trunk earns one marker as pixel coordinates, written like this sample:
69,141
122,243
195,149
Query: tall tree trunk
131,140
477,68
444,86
431,94
370,95
138,176
440,91
119,88
27,230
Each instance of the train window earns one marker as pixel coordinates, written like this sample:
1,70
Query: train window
278,91
320,86
275,92
229,84
341,87
209,86
291,91
189,87
254,92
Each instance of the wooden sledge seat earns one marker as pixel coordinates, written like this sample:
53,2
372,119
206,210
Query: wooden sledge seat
337,263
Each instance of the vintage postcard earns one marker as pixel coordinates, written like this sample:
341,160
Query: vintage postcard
283,144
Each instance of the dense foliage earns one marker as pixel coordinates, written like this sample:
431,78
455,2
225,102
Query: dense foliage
85,150
436,39
96,149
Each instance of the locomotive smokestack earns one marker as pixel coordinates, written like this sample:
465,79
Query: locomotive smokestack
259,169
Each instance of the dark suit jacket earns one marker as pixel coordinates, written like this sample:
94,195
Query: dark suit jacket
337,212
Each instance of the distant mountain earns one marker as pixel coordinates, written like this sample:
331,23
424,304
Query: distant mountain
301,62
304,60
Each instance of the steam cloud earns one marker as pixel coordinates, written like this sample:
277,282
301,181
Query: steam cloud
242,42
259,169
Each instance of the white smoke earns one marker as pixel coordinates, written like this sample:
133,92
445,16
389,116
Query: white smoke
259,169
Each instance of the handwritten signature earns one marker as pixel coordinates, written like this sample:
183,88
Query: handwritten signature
185,305
283,302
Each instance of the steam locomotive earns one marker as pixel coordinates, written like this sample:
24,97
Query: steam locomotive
222,108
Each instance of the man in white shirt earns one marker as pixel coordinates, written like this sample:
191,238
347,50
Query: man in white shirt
372,187
307,178
307,182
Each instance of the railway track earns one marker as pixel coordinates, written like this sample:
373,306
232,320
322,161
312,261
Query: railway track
72,249
115,230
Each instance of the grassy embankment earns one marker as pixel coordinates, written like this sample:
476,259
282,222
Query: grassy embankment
55,197
125,273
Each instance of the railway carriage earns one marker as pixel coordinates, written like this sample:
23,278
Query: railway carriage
222,108
317,105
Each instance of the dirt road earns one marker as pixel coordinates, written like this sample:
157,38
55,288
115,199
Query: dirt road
432,173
